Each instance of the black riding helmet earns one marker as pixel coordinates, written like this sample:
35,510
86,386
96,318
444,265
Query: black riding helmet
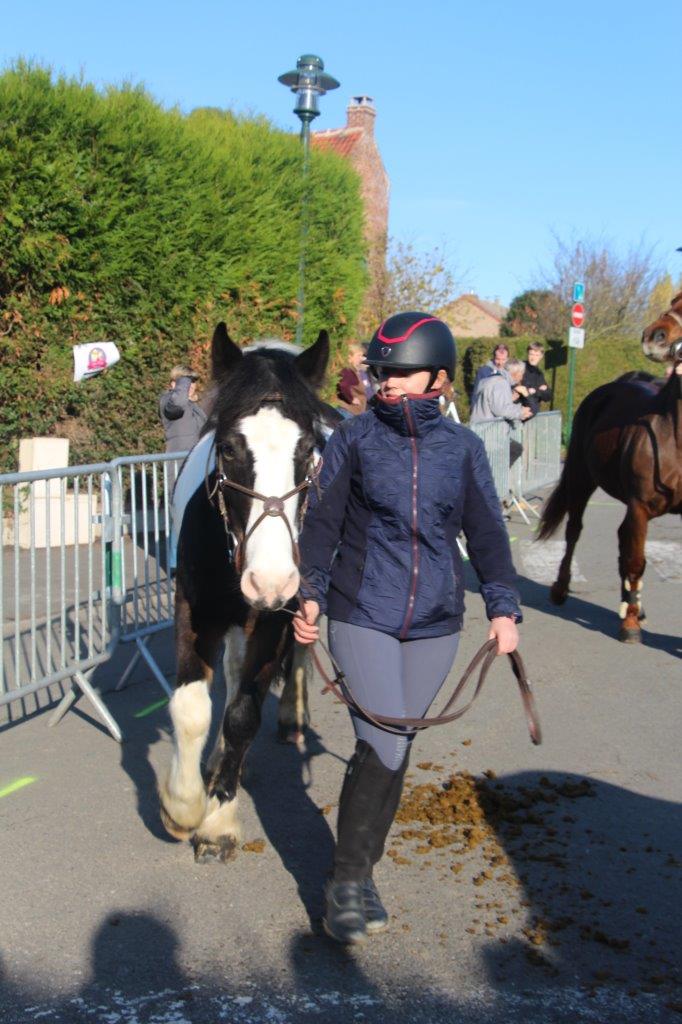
413,341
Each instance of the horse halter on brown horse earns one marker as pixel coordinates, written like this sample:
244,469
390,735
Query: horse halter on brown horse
272,506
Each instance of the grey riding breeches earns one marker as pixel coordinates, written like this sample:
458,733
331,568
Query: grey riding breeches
396,678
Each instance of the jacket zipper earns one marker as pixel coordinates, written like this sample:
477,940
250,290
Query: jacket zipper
414,573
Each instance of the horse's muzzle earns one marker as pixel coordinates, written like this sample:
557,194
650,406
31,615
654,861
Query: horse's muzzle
267,591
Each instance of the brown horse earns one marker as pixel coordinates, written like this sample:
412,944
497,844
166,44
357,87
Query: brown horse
627,439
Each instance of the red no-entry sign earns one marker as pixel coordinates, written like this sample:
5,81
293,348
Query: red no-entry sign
578,314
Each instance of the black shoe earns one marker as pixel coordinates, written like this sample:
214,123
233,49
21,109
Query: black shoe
345,916
376,917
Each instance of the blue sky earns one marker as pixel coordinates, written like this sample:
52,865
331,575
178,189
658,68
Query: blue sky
498,122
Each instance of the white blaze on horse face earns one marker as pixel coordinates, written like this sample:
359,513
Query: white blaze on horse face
270,577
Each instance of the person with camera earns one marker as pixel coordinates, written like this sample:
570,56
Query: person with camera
181,415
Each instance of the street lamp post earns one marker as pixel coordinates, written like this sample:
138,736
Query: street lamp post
308,81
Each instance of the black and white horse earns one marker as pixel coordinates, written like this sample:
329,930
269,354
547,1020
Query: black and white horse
237,572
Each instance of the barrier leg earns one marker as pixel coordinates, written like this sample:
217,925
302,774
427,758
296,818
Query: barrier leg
126,675
155,670
81,686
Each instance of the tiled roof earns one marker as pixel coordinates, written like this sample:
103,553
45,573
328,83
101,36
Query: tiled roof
494,309
339,140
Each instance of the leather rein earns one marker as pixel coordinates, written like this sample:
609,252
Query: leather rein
483,660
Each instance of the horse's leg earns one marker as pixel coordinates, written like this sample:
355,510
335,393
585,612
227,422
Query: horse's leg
218,835
631,564
294,713
182,792
579,499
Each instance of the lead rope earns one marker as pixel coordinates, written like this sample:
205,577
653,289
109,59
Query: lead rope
484,657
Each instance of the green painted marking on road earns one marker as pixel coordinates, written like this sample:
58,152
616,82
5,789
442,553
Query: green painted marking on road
12,787
151,708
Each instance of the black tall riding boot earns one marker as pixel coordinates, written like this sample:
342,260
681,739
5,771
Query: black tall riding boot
376,917
367,805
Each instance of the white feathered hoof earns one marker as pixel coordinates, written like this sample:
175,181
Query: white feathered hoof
214,851
217,838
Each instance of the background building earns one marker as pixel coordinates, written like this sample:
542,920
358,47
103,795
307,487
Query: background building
357,144
471,317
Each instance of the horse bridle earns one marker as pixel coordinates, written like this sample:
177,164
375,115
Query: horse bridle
273,506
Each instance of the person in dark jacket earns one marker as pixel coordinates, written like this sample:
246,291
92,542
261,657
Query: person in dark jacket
379,555
534,379
181,415
496,364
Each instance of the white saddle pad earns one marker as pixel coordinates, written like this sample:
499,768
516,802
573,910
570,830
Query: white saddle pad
191,478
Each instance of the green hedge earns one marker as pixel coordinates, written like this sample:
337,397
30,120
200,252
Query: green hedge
124,221
596,364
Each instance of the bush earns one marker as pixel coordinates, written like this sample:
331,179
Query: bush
127,222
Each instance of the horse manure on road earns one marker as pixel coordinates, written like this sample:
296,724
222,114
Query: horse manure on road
518,844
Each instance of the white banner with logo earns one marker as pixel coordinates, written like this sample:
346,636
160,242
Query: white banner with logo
91,359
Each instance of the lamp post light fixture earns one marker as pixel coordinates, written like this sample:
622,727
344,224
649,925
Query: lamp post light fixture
309,81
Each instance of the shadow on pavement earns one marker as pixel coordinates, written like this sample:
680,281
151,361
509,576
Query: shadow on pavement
599,873
278,780
590,616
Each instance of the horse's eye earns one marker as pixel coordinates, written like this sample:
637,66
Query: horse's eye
226,450
660,335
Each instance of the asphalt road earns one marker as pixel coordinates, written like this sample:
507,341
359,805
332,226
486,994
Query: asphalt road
558,902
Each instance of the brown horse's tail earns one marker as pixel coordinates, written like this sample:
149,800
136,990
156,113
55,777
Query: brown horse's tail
555,508
559,502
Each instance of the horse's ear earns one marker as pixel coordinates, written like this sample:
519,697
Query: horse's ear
312,364
224,353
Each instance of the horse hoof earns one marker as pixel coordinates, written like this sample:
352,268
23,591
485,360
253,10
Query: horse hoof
630,635
557,594
214,851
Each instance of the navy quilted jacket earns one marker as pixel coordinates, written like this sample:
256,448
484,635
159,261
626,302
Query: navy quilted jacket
378,547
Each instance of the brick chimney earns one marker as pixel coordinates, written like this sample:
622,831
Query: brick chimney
361,114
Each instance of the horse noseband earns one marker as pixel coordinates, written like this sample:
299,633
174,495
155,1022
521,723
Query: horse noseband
273,507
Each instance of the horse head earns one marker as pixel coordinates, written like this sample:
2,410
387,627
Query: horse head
267,427
660,336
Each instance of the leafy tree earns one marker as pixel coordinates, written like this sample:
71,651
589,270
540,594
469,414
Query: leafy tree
413,280
661,296
536,312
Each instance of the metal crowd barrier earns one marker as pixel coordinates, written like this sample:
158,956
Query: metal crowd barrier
142,587
53,587
539,461
495,437
84,566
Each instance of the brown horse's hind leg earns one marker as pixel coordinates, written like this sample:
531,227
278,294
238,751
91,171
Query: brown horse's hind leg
182,792
631,564
559,589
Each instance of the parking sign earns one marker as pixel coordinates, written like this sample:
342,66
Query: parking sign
578,292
